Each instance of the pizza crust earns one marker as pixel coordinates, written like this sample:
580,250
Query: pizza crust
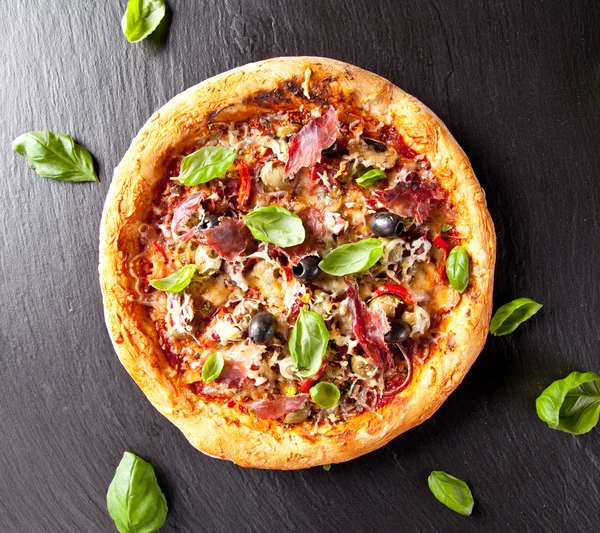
230,433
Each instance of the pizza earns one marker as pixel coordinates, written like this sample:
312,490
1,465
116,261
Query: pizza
297,262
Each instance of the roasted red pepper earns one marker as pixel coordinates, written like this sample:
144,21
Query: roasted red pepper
445,248
245,183
305,384
398,290
159,249
442,244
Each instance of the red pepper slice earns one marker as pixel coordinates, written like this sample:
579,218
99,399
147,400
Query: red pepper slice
305,384
441,244
398,290
245,183
159,249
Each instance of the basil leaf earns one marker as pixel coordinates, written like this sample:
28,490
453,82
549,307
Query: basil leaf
308,343
508,317
142,18
457,268
55,156
327,468
205,164
277,225
177,281
451,491
134,499
370,177
325,394
213,367
446,227
352,258
571,404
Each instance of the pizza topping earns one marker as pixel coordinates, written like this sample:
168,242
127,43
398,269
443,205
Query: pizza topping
212,367
306,146
177,281
413,200
457,268
262,327
276,225
229,239
399,332
187,216
205,164
386,224
180,314
370,177
325,394
307,268
308,343
370,328
393,288
272,175
276,408
372,153
352,258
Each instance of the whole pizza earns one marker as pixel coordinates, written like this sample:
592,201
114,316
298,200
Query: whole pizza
297,263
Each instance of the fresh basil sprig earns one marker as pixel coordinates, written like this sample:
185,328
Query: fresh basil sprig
56,156
177,281
205,164
508,317
370,177
134,500
327,467
451,491
213,367
571,404
446,227
276,225
352,258
142,18
308,343
457,268
325,394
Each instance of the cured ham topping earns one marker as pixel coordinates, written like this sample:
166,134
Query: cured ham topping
305,148
181,214
413,200
229,239
276,408
313,221
370,328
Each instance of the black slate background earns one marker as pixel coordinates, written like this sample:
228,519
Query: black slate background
518,83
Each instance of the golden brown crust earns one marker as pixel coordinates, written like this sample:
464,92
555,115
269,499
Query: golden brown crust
230,433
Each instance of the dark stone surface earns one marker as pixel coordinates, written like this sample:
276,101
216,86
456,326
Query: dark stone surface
518,83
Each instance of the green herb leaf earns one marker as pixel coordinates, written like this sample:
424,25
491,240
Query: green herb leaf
142,18
205,164
508,317
213,367
308,343
457,268
177,281
277,225
370,177
134,499
571,404
352,258
327,468
446,227
55,156
325,394
451,491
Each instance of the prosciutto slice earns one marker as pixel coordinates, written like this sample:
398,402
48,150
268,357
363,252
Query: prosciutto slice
229,239
410,199
273,409
186,208
369,328
232,375
306,146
